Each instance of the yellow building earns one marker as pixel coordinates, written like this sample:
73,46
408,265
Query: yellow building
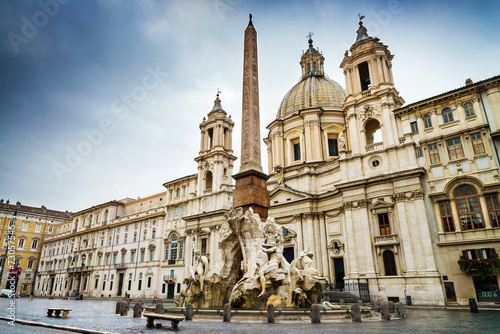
32,226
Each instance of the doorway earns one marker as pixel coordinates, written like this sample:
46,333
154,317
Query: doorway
51,285
120,284
171,291
338,265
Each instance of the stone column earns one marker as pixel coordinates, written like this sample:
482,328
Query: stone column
405,239
318,244
350,251
212,246
430,263
323,238
380,72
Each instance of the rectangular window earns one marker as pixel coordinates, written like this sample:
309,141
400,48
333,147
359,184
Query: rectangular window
107,259
170,214
151,254
25,226
181,247
364,76
469,110
383,223
30,264
446,217
493,209
183,211
114,258
143,254
333,150
477,143
176,214
434,154
204,246
99,260
414,127
455,148
21,243
132,257
427,121
296,152
447,115
418,152
469,212
149,282
139,286
34,244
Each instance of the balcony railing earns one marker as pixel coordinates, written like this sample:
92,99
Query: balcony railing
121,265
387,239
169,278
78,269
374,147
50,272
171,261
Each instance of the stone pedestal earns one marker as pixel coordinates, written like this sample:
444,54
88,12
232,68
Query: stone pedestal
270,314
355,313
315,314
251,191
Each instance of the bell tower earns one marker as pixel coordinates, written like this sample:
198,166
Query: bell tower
215,160
371,95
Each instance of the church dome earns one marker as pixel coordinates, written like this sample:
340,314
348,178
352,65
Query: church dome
314,89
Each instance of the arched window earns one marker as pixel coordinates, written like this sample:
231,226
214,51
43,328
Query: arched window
373,132
308,69
427,121
145,234
173,248
469,210
208,181
154,234
389,263
135,236
447,115
469,110
314,68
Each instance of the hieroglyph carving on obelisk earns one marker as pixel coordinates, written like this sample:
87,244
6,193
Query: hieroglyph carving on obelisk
250,127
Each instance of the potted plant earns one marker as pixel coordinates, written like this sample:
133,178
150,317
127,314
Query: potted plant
483,267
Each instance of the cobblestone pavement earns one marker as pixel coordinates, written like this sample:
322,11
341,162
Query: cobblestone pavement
99,315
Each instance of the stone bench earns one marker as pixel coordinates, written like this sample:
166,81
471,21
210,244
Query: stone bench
174,319
57,312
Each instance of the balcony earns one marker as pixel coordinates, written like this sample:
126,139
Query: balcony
119,266
78,269
374,147
387,239
169,278
49,272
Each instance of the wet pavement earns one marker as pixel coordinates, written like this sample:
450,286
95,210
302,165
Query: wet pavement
99,315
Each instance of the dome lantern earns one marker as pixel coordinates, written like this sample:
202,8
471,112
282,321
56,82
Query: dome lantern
312,61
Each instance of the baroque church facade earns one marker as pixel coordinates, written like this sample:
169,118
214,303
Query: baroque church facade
389,194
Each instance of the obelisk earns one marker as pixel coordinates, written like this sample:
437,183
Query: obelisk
251,182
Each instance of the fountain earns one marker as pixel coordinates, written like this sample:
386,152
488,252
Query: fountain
253,271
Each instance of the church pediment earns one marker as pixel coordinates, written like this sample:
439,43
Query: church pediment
282,195
382,204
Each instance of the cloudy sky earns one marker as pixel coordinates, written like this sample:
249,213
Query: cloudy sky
102,99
